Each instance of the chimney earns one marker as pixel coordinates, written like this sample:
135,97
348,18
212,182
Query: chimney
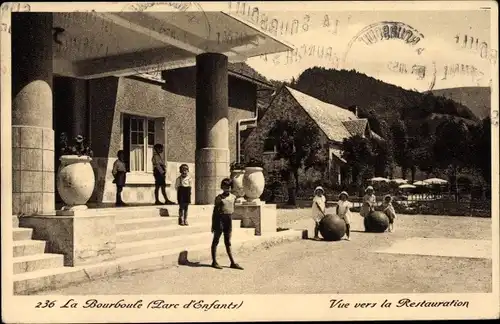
353,109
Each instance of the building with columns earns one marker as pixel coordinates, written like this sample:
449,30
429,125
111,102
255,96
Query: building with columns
91,74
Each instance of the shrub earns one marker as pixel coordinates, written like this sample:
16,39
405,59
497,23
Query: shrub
80,147
254,163
237,166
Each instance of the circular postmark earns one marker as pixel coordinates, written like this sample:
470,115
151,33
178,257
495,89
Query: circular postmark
393,50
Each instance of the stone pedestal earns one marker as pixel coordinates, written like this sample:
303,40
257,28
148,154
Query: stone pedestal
212,128
32,133
260,216
83,236
212,166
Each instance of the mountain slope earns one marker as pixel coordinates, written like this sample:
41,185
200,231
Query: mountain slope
390,102
478,99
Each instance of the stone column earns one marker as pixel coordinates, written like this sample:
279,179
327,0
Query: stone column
212,130
32,132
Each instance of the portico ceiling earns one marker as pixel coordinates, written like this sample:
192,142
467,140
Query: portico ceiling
99,44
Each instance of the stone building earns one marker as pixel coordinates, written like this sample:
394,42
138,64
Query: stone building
135,112
333,123
124,80
89,73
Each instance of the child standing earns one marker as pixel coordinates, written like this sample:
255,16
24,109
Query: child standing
222,223
344,212
119,173
369,202
389,210
318,209
183,185
160,173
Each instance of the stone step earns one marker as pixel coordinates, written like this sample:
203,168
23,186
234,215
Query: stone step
162,232
153,211
146,246
130,212
123,225
37,262
15,221
130,224
20,234
30,282
28,247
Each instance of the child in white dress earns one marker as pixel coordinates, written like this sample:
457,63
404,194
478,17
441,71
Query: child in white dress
369,202
389,210
318,209
344,212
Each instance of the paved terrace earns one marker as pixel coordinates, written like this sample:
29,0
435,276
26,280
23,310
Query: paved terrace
426,254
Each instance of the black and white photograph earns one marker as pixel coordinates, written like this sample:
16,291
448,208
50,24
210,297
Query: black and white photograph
249,161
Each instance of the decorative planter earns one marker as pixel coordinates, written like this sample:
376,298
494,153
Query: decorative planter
253,183
238,190
75,180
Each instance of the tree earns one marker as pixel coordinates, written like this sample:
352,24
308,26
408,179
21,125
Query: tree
452,148
401,141
481,148
298,144
381,153
424,152
358,152
386,134
411,155
427,106
374,121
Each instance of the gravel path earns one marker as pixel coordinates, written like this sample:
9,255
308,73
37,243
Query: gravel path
309,266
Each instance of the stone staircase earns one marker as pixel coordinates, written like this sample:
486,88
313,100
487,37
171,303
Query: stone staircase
145,240
28,254
142,235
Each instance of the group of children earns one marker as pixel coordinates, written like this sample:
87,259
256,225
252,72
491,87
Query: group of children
183,183
224,202
223,207
343,208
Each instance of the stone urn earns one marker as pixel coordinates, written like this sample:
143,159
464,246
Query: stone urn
75,180
253,184
238,190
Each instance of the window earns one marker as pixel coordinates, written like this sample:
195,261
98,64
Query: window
141,139
269,145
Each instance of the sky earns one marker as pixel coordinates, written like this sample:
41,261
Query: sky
446,63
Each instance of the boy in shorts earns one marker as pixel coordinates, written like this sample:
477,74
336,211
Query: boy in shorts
183,185
222,223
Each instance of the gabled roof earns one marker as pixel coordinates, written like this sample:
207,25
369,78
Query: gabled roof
328,117
357,126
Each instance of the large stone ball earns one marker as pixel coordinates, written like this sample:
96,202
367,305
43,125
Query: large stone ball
376,222
332,227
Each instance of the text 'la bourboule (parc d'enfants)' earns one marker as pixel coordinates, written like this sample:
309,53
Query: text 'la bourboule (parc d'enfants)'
141,304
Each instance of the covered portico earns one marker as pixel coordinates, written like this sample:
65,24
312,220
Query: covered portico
90,45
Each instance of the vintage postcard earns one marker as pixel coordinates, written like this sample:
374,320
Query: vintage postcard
249,161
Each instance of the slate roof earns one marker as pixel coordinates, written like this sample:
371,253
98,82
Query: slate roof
336,122
357,126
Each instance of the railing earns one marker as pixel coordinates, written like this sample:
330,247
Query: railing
437,205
